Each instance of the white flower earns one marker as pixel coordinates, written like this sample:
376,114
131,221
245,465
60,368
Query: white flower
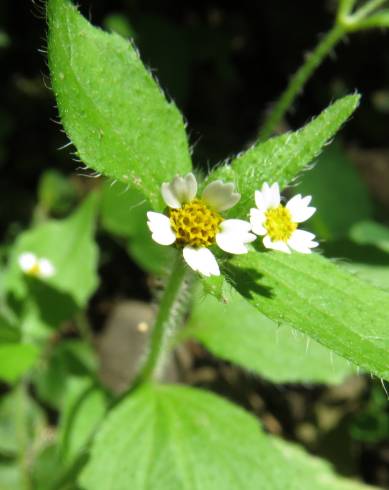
195,224
278,223
34,266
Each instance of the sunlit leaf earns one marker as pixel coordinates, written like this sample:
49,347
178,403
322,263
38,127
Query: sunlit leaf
111,107
320,299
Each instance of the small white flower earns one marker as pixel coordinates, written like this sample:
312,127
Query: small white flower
34,266
195,224
278,223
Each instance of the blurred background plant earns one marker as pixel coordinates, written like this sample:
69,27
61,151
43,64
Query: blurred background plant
224,66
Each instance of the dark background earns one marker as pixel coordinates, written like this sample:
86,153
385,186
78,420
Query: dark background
223,66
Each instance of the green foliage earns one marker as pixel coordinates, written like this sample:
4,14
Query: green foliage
315,473
69,245
169,437
12,406
66,363
280,159
123,213
338,194
371,233
235,331
55,192
84,407
371,425
16,360
111,108
315,296
123,210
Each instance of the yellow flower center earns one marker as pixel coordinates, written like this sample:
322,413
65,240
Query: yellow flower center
279,224
34,271
195,224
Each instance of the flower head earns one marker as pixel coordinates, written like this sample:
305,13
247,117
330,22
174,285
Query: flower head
278,224
34,266
195,224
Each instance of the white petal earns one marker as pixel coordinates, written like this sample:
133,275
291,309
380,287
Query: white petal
280,246
235,233
179,190
46,268
160,227
257,219
201,260
299,209
27,261
302,241
268,197
237,226
274,195
220,196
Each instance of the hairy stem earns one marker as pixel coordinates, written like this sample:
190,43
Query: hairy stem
298,80
169,318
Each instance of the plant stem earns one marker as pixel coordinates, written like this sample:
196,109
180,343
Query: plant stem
169,317
327,43
367,9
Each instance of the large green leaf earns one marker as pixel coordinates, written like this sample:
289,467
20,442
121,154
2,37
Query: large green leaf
280,159
235,331
315,296
171,437
16,360
110,105
70,246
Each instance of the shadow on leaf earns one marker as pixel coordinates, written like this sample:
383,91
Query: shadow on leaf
247,281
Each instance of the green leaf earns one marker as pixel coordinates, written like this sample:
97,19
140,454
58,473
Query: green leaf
235,331
173,437
69,245
111,107
280,159
367,261
55,192
68,361
8,330
123,210
123,213
379,19
315,473
371,233
339,195
16,360
35,421
315,296
84,407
